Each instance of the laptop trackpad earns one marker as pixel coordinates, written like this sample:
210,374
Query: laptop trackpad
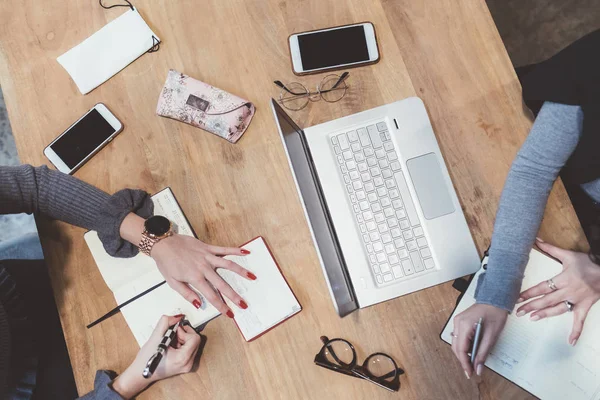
430,186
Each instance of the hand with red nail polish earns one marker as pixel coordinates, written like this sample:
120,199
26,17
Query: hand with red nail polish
188,264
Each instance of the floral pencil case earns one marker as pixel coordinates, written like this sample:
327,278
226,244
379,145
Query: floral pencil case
201,105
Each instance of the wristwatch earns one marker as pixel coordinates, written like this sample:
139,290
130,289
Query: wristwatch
156,228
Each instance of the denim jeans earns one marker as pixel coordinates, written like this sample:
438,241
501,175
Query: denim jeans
26,247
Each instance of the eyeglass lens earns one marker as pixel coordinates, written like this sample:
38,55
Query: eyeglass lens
381,366
330,92
339,352
295,98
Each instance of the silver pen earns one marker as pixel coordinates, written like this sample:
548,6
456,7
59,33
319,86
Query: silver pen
478,327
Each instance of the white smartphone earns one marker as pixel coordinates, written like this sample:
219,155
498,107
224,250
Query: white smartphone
84,138
333,48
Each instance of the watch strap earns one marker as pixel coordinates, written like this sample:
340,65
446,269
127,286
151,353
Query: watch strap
147,243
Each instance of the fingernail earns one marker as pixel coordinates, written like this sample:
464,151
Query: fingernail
251,276
229,314
520,300
178,316
196,303
479,369
535,317
244,251
521,313
467,374
574,342
539,240
243,304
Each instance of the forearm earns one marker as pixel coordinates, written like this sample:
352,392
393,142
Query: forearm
552,139
41,191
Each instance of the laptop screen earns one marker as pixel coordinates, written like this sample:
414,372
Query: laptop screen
316,208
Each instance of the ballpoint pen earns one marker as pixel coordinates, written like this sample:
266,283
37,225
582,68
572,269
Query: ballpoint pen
153,362
478,327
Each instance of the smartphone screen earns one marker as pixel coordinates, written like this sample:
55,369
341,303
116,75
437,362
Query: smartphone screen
82,138
334,47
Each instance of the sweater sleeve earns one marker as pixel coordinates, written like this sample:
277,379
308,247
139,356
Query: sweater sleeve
41,191
102,387
553,137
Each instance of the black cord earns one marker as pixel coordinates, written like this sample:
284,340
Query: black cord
155,45
117,5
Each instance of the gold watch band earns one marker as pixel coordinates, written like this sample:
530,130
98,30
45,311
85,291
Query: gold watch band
147,243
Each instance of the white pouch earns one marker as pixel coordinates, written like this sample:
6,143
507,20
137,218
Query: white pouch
106,52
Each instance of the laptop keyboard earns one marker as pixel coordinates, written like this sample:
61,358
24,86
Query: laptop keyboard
384,209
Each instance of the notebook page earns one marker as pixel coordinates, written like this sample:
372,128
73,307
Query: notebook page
143,314
536,355
270,299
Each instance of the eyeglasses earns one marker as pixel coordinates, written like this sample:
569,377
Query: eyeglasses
295,96
339,355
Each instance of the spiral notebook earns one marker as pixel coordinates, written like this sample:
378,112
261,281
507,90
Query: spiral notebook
270,299
536,355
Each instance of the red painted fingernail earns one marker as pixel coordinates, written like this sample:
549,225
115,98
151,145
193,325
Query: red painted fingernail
229,314
196,303
243,304
244,251
251,276
178,315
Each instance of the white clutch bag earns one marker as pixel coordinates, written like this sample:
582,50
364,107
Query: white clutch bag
106,52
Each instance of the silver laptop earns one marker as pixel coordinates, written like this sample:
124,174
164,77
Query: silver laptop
383,213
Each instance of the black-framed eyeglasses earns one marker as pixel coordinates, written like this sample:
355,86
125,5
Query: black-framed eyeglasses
339,355
295,96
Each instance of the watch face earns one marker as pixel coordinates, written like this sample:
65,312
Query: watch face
157,225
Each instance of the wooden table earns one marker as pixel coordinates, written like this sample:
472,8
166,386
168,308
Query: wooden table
447,52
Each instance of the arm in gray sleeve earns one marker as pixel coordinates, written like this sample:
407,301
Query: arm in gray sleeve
41,191
553,137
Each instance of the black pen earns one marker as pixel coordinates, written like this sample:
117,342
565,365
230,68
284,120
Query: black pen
153,362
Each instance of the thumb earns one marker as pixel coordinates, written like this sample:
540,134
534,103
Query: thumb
186,292
579,315
554,251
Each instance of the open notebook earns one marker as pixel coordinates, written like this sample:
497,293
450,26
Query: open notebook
536,355
270,299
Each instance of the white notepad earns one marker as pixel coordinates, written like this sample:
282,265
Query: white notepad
536,355
270,299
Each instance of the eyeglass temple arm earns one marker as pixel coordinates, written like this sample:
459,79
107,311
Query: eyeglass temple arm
344,76
281,85
399,371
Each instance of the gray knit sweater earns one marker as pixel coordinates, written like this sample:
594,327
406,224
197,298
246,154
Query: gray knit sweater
48,193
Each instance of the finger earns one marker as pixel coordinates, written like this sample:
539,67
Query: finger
226,251
541,289
218,262
219,283
461,346
580,313
485,346
554,251
545,301
552,311
186,292
212,297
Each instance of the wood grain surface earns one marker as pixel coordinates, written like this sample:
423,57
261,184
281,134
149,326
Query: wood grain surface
447,52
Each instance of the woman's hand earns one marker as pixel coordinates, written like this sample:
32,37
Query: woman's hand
184,260
464,330
178,359
578,283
